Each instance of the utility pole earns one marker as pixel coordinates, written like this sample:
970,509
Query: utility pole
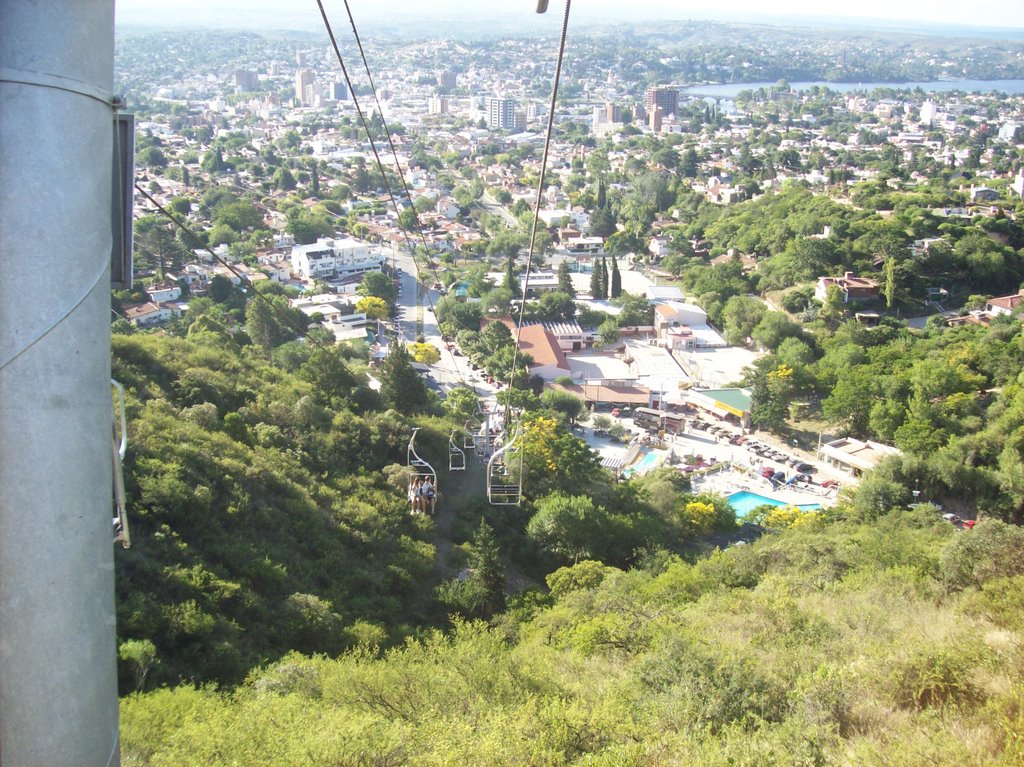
58,676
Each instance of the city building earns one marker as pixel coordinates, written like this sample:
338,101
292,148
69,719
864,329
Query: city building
304,81
667,99
339,91
335,259
501,114
245,80
446,79
437,105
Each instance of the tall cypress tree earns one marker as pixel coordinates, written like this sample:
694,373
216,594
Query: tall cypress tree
604,277
615,290
565,280
595,281
511,282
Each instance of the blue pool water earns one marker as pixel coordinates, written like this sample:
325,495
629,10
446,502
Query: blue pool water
649,462
744,501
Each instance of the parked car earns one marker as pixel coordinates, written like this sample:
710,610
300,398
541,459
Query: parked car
616,412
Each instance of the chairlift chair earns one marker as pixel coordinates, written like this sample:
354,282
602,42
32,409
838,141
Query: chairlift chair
456,455
119,446
505,473
419,469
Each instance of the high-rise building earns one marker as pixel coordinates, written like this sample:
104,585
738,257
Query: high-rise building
303,85
666,98
339,91
612,112
245,80
446,79
501,113
300,59
928,112
437,105
654,119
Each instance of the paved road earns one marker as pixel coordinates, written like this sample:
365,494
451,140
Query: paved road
495,208
416,316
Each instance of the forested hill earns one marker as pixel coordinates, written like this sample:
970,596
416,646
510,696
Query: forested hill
263,511
892,643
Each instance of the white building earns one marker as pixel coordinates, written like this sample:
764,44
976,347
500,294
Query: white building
337,314
335,258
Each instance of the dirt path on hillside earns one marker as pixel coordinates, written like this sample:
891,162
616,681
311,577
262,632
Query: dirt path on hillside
462,489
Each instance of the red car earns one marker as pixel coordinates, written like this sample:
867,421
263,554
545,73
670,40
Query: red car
616,412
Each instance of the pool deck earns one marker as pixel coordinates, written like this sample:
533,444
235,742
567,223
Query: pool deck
734,479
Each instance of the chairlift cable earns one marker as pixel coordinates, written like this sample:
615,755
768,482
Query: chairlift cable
540,192
376,155
302,332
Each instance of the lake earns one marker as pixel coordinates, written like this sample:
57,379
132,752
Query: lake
729,90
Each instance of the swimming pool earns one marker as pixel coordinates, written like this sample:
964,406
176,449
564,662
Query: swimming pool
744,501
650,461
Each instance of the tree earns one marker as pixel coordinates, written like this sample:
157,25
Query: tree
480,591
284,180
400,385
377,284
151,157
570,526
565,280
595,282
615,288
373,307
511,282
889,273
608,332
265,322
408,221
139,656
462,403
602,222
425,354
563,402
604,277
773,329
220,288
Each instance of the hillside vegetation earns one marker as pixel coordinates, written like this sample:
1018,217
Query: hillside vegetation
896,643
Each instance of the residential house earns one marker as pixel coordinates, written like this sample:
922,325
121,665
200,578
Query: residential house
163,292
330,258
1004,305
853,288
151,314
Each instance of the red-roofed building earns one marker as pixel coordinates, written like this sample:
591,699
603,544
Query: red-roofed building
549,360
853,288
1004,304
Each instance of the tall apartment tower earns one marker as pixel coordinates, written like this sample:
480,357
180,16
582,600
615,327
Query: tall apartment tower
612,112
928,112
437,105
501,113
304,86
245,80
339,91
300,59
665,98
446,79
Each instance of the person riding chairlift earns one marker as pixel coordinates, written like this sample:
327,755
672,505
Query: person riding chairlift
428,495
416,494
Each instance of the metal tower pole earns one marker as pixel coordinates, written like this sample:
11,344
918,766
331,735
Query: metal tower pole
58,679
